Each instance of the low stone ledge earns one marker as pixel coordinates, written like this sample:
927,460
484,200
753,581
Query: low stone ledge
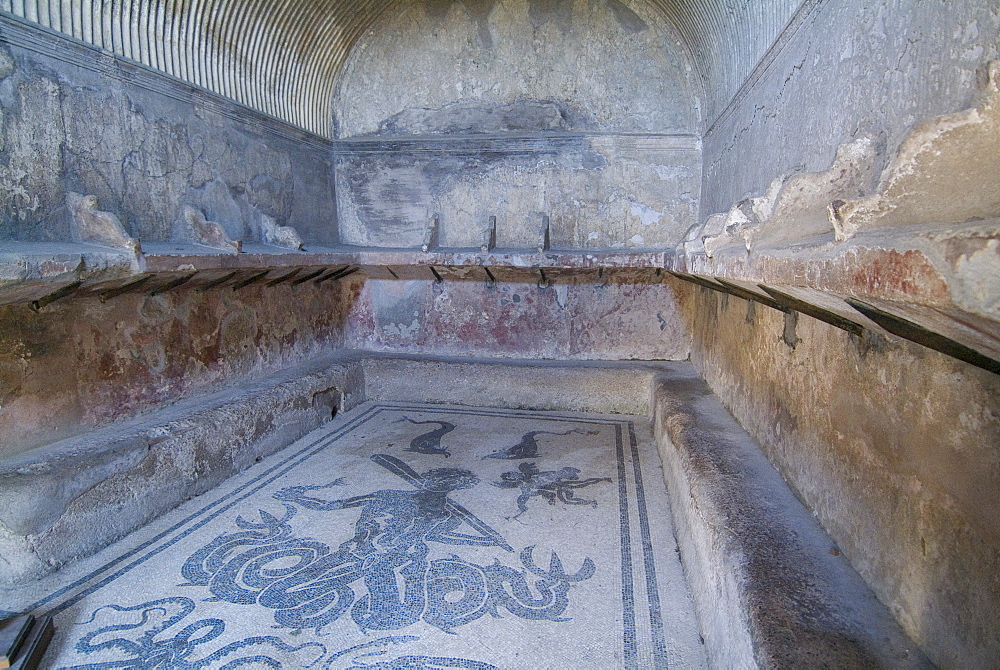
603,387
770,587
73,497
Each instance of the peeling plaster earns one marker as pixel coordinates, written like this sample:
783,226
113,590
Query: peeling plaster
944,172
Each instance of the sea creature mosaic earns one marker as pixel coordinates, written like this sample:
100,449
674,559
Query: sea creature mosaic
430,442
387,559
528,446
342,555
551,486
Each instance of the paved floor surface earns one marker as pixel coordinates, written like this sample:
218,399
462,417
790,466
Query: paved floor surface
399,536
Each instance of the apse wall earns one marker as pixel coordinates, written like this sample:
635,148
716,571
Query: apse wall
580,116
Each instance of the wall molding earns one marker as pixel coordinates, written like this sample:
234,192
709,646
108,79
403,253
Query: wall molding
516,143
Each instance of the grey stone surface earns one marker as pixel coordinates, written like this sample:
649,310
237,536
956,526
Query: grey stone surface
73,497
877,69
944,172
770,586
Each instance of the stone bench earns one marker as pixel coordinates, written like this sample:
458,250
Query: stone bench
770,587
73,497
603,387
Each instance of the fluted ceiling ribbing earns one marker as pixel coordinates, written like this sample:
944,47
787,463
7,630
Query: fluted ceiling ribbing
282,57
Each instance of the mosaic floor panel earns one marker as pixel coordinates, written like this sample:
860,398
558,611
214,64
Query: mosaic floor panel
399,536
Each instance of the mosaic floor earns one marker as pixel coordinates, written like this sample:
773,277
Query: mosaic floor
399,536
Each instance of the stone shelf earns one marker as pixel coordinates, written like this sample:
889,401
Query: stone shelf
176,257
20,261
960,334
934,264
860,294
32,271
40,272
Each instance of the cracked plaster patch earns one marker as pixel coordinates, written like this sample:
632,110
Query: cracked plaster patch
646,214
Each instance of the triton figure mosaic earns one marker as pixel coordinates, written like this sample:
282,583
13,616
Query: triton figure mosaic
388,556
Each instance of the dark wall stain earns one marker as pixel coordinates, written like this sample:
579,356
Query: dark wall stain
788,333
559,11
394,181
478,10
629,20
476,117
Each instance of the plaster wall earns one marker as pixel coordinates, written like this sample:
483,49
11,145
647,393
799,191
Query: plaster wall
895,448
75,118
80,364
843,71
583,112
618,320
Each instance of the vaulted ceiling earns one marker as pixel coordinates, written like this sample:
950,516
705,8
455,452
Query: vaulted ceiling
283,57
